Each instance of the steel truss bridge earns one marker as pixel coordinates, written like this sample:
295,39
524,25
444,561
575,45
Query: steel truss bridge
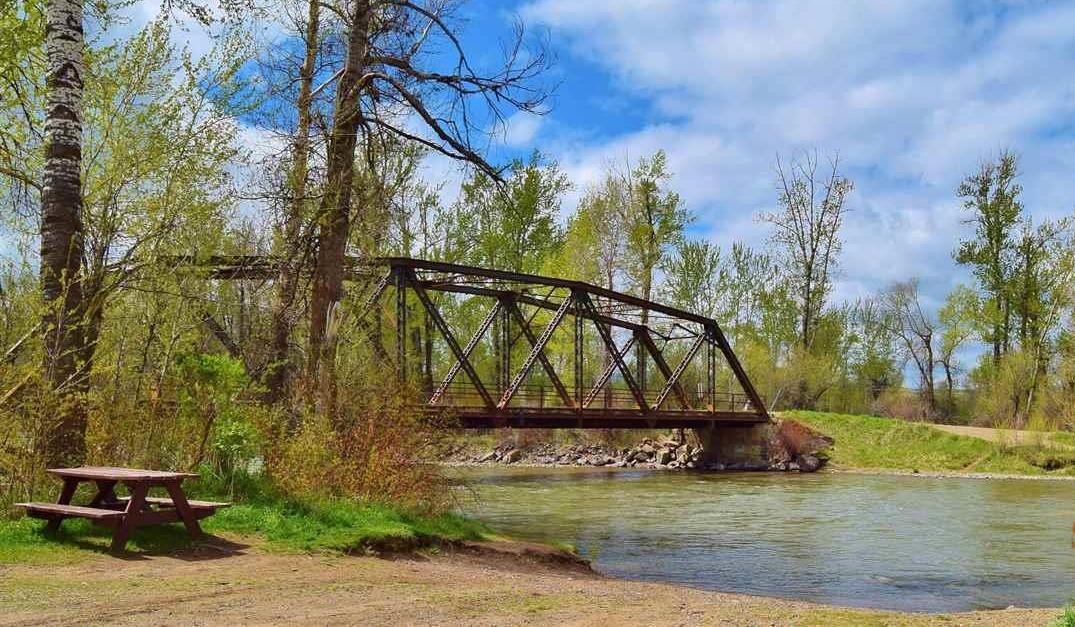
527,351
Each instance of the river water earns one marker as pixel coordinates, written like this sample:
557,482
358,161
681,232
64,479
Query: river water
904,543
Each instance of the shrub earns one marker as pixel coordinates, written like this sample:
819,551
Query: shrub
902,404
375,449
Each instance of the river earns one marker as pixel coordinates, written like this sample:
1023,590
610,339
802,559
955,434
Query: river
902,543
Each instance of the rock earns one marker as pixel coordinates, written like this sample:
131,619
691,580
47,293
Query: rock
663,457
791,467
690,465
488,457
673,464
648,449
512,456
809,463
684,455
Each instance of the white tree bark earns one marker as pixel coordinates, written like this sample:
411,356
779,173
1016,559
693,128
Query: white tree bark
61,221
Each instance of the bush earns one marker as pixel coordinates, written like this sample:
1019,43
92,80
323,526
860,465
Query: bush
376,449
902,404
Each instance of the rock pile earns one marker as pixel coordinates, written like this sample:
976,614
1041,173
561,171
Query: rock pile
648,453
792,447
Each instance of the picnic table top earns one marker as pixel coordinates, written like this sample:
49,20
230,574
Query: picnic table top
111,473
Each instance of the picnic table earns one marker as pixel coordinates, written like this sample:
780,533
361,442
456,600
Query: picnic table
123,514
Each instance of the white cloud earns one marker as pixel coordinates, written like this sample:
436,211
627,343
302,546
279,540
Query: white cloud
520,129
913,93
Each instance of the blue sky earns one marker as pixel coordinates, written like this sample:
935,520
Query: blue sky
912,93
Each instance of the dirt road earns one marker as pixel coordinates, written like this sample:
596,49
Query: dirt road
226,584
1007,436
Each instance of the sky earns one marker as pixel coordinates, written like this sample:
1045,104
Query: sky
911,94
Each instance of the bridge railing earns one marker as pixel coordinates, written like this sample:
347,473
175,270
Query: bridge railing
463,395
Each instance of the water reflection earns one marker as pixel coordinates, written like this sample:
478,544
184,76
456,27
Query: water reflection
908,543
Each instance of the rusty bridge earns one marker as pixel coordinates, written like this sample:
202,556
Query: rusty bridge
504,349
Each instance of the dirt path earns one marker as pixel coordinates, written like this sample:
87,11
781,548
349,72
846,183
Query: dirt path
224,585
1008,436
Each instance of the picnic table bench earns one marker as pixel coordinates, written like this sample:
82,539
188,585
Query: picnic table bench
123,514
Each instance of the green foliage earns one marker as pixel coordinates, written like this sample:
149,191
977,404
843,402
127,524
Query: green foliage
209,377
511,227
654,219
207,385
1066,619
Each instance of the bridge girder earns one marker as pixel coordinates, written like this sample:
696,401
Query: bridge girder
606,311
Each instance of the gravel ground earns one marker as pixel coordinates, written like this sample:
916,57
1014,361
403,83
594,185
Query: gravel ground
226,582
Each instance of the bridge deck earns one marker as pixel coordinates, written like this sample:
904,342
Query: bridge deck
553,418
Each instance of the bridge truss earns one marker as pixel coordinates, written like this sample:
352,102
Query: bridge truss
540,352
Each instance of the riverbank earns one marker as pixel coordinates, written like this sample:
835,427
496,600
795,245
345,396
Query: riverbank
233,580
873,444
861,444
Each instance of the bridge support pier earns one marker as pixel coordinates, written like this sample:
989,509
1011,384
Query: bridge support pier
736,447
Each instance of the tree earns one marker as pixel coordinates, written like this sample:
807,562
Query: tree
958,318
511,226
916,332
62,234
695,277
291,240
596,235
387,78
654,219
874,347
807,232
991,196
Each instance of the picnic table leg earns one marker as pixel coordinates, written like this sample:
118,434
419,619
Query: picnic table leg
106,494
179,499
122,532
66,494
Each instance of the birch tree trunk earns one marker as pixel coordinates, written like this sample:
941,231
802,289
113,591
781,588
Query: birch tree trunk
61,227
283,319
334,214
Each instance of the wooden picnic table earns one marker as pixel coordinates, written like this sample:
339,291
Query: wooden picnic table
124,514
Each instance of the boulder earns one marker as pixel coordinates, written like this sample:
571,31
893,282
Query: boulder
512,456
791,440
647,448
663,456
809,463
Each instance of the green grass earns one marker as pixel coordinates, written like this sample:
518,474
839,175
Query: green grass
340,525
1063,437
884,443
282,524
1067,619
